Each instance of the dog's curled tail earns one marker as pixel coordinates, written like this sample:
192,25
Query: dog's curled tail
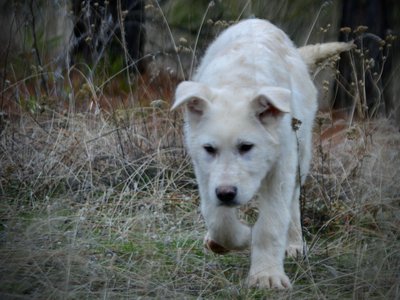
315,54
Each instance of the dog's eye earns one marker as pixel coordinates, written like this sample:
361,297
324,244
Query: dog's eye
210,149
244,148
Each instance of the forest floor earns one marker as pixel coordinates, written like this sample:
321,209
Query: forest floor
104,205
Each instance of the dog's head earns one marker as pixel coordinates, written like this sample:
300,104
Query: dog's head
233,137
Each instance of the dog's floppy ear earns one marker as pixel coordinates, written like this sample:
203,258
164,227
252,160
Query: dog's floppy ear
271,102
194,95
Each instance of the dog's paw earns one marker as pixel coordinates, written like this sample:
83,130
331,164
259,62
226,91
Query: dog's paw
213,246
294,251
266,280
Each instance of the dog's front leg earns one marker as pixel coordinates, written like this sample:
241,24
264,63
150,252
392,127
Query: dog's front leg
225,231
269,237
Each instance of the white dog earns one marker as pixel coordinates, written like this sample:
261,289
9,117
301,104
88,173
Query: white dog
240,105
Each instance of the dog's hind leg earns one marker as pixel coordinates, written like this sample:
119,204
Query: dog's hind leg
225,231
294,247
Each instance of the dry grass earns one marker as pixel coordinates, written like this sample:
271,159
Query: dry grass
94,209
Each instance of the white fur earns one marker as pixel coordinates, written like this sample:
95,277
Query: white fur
317,53
250,85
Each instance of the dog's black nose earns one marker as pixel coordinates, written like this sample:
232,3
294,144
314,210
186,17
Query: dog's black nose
226,194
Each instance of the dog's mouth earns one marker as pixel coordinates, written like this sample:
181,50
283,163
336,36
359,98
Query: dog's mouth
233,203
